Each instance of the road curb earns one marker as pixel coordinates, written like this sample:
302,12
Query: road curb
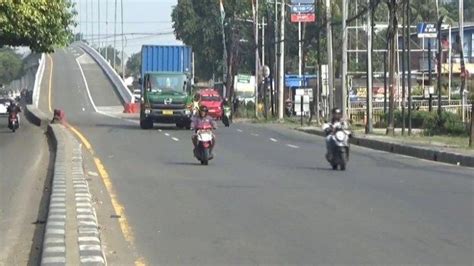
437,155
36,116
72,234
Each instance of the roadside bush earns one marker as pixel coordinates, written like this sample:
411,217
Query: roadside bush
448,124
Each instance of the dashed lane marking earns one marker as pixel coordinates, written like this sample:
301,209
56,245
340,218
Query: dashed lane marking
175,139
255,134
240,130
167,134
273,140
292,146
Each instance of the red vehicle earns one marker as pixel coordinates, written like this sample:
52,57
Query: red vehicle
213,101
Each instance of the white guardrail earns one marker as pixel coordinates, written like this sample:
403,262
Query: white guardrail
118,83
38,79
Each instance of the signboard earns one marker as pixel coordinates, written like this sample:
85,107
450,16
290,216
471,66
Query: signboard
297,2
306,102
244,88
302,9
427,30
293,81
303,17
304,92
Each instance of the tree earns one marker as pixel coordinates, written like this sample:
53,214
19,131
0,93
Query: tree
133,65
109,52
11,65
39,24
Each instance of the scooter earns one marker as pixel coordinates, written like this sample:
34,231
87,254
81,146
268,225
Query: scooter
226,119
13,123
205,142
338,156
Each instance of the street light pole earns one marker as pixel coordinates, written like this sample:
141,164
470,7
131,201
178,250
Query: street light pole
123,45
98,24
369,125
257,62
281,68
345,6
329,55
115,37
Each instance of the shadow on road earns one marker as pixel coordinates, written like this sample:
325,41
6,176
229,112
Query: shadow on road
40,223
184,163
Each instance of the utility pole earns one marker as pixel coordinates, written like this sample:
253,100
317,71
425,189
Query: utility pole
320,80
257,63
106,44
275,69
87,20
329,55
440,58
281,68
92,23
404,22
369,125
123,46
263,40
409,64
98,25
345,6
463,67
430,107
115,37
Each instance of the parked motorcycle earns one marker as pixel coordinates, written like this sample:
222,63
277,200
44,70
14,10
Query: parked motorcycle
205,142
226,119
13,122
339,146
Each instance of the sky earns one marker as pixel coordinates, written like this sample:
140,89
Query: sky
140,17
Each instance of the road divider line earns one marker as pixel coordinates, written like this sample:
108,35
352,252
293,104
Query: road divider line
167,134
50,83
175,139
273,140
240,130
117,206
255,134
86,84
292,146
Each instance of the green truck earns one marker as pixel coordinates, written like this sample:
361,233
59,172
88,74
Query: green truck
166,86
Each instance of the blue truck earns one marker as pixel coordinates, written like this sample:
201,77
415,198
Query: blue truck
166,75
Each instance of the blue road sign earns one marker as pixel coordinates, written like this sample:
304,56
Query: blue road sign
302,9
301,2
427,30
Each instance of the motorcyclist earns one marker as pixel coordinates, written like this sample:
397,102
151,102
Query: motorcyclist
13,108
199,119
329,128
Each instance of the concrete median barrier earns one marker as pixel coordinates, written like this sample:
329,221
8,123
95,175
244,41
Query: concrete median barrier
36,116
72,234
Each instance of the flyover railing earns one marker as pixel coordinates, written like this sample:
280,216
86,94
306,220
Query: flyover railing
122,89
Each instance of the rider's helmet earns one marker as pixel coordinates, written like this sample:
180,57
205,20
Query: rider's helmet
336,114
203,110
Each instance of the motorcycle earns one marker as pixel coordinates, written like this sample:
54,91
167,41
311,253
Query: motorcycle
226,119
339,145
13,123
205,141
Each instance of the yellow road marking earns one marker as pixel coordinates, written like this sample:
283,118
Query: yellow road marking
118,207
50,83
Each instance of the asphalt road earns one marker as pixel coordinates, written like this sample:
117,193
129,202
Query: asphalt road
24,162
269,196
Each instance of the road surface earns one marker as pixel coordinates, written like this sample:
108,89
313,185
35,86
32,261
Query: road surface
269,196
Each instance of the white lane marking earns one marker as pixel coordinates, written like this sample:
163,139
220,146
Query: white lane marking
85,83
292,146
167,134
83,109
159,130
240,130
175,139
255,134
92,173
274,140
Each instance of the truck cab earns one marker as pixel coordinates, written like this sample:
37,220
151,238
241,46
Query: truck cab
165,86
165,100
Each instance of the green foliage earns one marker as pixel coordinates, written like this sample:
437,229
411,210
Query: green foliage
134,64
110,52
11,65
39,24
448,124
